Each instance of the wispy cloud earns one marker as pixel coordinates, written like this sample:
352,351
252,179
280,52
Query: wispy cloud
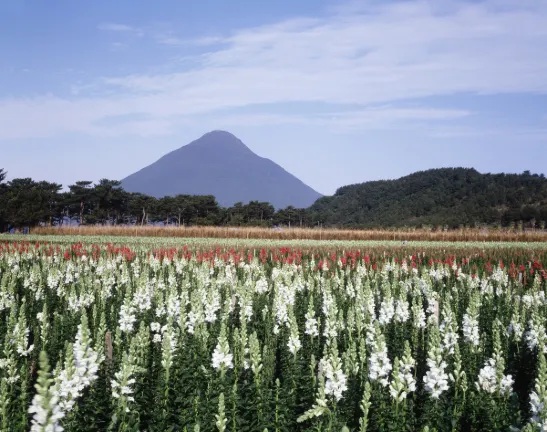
167,39
362,55
502,133
120,28
171,39
117,46
370,118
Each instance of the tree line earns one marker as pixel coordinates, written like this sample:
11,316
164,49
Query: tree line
447,198
27,203
450,197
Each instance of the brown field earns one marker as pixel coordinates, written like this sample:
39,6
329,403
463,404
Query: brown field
470,234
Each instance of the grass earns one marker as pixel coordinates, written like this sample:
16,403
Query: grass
461,235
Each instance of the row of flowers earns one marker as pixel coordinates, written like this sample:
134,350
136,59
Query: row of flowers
121,339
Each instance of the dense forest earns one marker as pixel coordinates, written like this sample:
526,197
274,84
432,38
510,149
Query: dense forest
27,203
449,197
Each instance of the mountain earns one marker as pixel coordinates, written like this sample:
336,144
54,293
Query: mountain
446,196
220,164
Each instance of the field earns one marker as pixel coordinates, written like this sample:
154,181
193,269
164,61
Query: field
168,334
460,235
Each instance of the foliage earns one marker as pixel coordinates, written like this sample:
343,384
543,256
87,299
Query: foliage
127,338
26,203
447,196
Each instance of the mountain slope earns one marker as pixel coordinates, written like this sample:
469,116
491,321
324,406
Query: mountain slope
219,164
446,196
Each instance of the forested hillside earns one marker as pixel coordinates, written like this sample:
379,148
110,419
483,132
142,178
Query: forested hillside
447,196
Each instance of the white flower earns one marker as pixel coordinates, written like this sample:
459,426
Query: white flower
536,406
402,313
122,385
471,330
311,325
79,374
536,336
335,384
222,358
211,308
294,344
386,311
487,377
436,379
42,420
20,335
506,384
127,318
331,369
515,328
419,317
379,366
450,339
261,286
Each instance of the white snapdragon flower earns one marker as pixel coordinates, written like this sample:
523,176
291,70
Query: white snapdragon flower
46,414
222,358
436,379
387,311
515,329
471,330
127,318
81,369
336,380
311,325
506,384
487,377
402,313
536,336
294,344
379,363
20,335
261,286
538,397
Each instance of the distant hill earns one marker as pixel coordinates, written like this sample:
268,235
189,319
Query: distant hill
447,196
220,164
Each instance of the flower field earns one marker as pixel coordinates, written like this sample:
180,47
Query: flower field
141,337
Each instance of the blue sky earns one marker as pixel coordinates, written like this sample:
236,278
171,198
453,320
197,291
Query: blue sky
337,92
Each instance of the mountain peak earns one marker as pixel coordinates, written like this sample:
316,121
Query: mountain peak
220,164
220,140
218,133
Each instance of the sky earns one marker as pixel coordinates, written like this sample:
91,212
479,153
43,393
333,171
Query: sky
336,92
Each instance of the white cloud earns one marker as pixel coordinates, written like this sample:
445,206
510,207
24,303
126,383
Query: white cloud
170,39
362,55
501,133
120,28
167,39
117,46
370,118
